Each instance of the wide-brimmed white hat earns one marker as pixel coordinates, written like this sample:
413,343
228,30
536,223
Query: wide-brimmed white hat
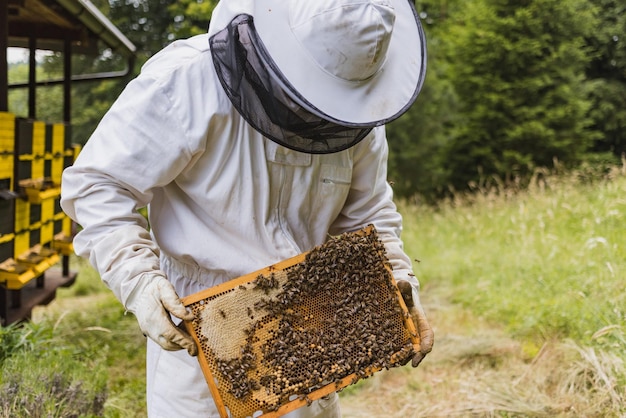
356,62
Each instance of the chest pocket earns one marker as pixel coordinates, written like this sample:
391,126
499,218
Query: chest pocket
309,190
334,179
281,155
331,191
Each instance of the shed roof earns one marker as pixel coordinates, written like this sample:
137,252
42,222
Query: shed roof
52,22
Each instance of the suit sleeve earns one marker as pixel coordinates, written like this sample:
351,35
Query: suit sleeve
139,145
370,201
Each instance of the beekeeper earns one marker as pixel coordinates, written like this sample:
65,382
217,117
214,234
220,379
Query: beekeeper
249,144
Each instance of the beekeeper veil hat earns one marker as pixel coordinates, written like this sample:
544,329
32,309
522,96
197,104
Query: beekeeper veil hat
317,75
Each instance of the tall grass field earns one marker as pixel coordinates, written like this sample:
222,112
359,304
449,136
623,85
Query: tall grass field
526,291
547,264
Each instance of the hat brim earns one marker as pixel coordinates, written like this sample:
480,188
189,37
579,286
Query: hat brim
375,101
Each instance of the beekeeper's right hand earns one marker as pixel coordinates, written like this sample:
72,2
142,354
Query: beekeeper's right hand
152,301
128,262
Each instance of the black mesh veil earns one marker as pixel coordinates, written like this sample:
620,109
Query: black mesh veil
266,100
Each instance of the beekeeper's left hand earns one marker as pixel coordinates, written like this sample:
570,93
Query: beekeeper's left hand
424,330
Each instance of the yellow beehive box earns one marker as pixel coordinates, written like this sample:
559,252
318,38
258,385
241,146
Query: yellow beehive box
47,210
38,167
39,138
7,143
47,233
66,225
7,216
21,243
75,151
56,169
63,224
7,132
30,149
7,148
39,190
15,275
6,246
58,139
22,215
6,167
63,244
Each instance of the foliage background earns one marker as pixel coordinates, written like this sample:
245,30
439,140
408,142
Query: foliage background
511,87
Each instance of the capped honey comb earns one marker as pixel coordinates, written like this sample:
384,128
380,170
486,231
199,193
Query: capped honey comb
279,338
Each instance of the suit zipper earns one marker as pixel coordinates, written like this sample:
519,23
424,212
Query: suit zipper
281,222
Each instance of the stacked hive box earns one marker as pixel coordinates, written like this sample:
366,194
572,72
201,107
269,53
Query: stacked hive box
34,231
7,206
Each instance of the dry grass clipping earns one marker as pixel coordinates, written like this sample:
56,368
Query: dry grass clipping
478,371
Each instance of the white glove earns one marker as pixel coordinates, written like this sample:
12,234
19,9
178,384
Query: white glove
152,301
424,330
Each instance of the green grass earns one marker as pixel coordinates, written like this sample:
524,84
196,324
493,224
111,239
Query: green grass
525,290
547,263
44,373
54,382
79,357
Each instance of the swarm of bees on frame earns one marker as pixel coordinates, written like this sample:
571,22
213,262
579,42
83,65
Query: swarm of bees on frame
333,315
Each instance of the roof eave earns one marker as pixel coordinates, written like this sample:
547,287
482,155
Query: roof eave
95,21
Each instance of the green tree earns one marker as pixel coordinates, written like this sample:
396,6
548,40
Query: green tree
47,98
418,138
18,98
150,25
191,17
146,23
518,69
607,71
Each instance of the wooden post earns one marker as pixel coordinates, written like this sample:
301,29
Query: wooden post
4,65
32,77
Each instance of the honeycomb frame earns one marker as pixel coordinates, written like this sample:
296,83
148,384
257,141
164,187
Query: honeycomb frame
279,338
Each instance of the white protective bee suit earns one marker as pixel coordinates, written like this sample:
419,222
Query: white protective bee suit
223,199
